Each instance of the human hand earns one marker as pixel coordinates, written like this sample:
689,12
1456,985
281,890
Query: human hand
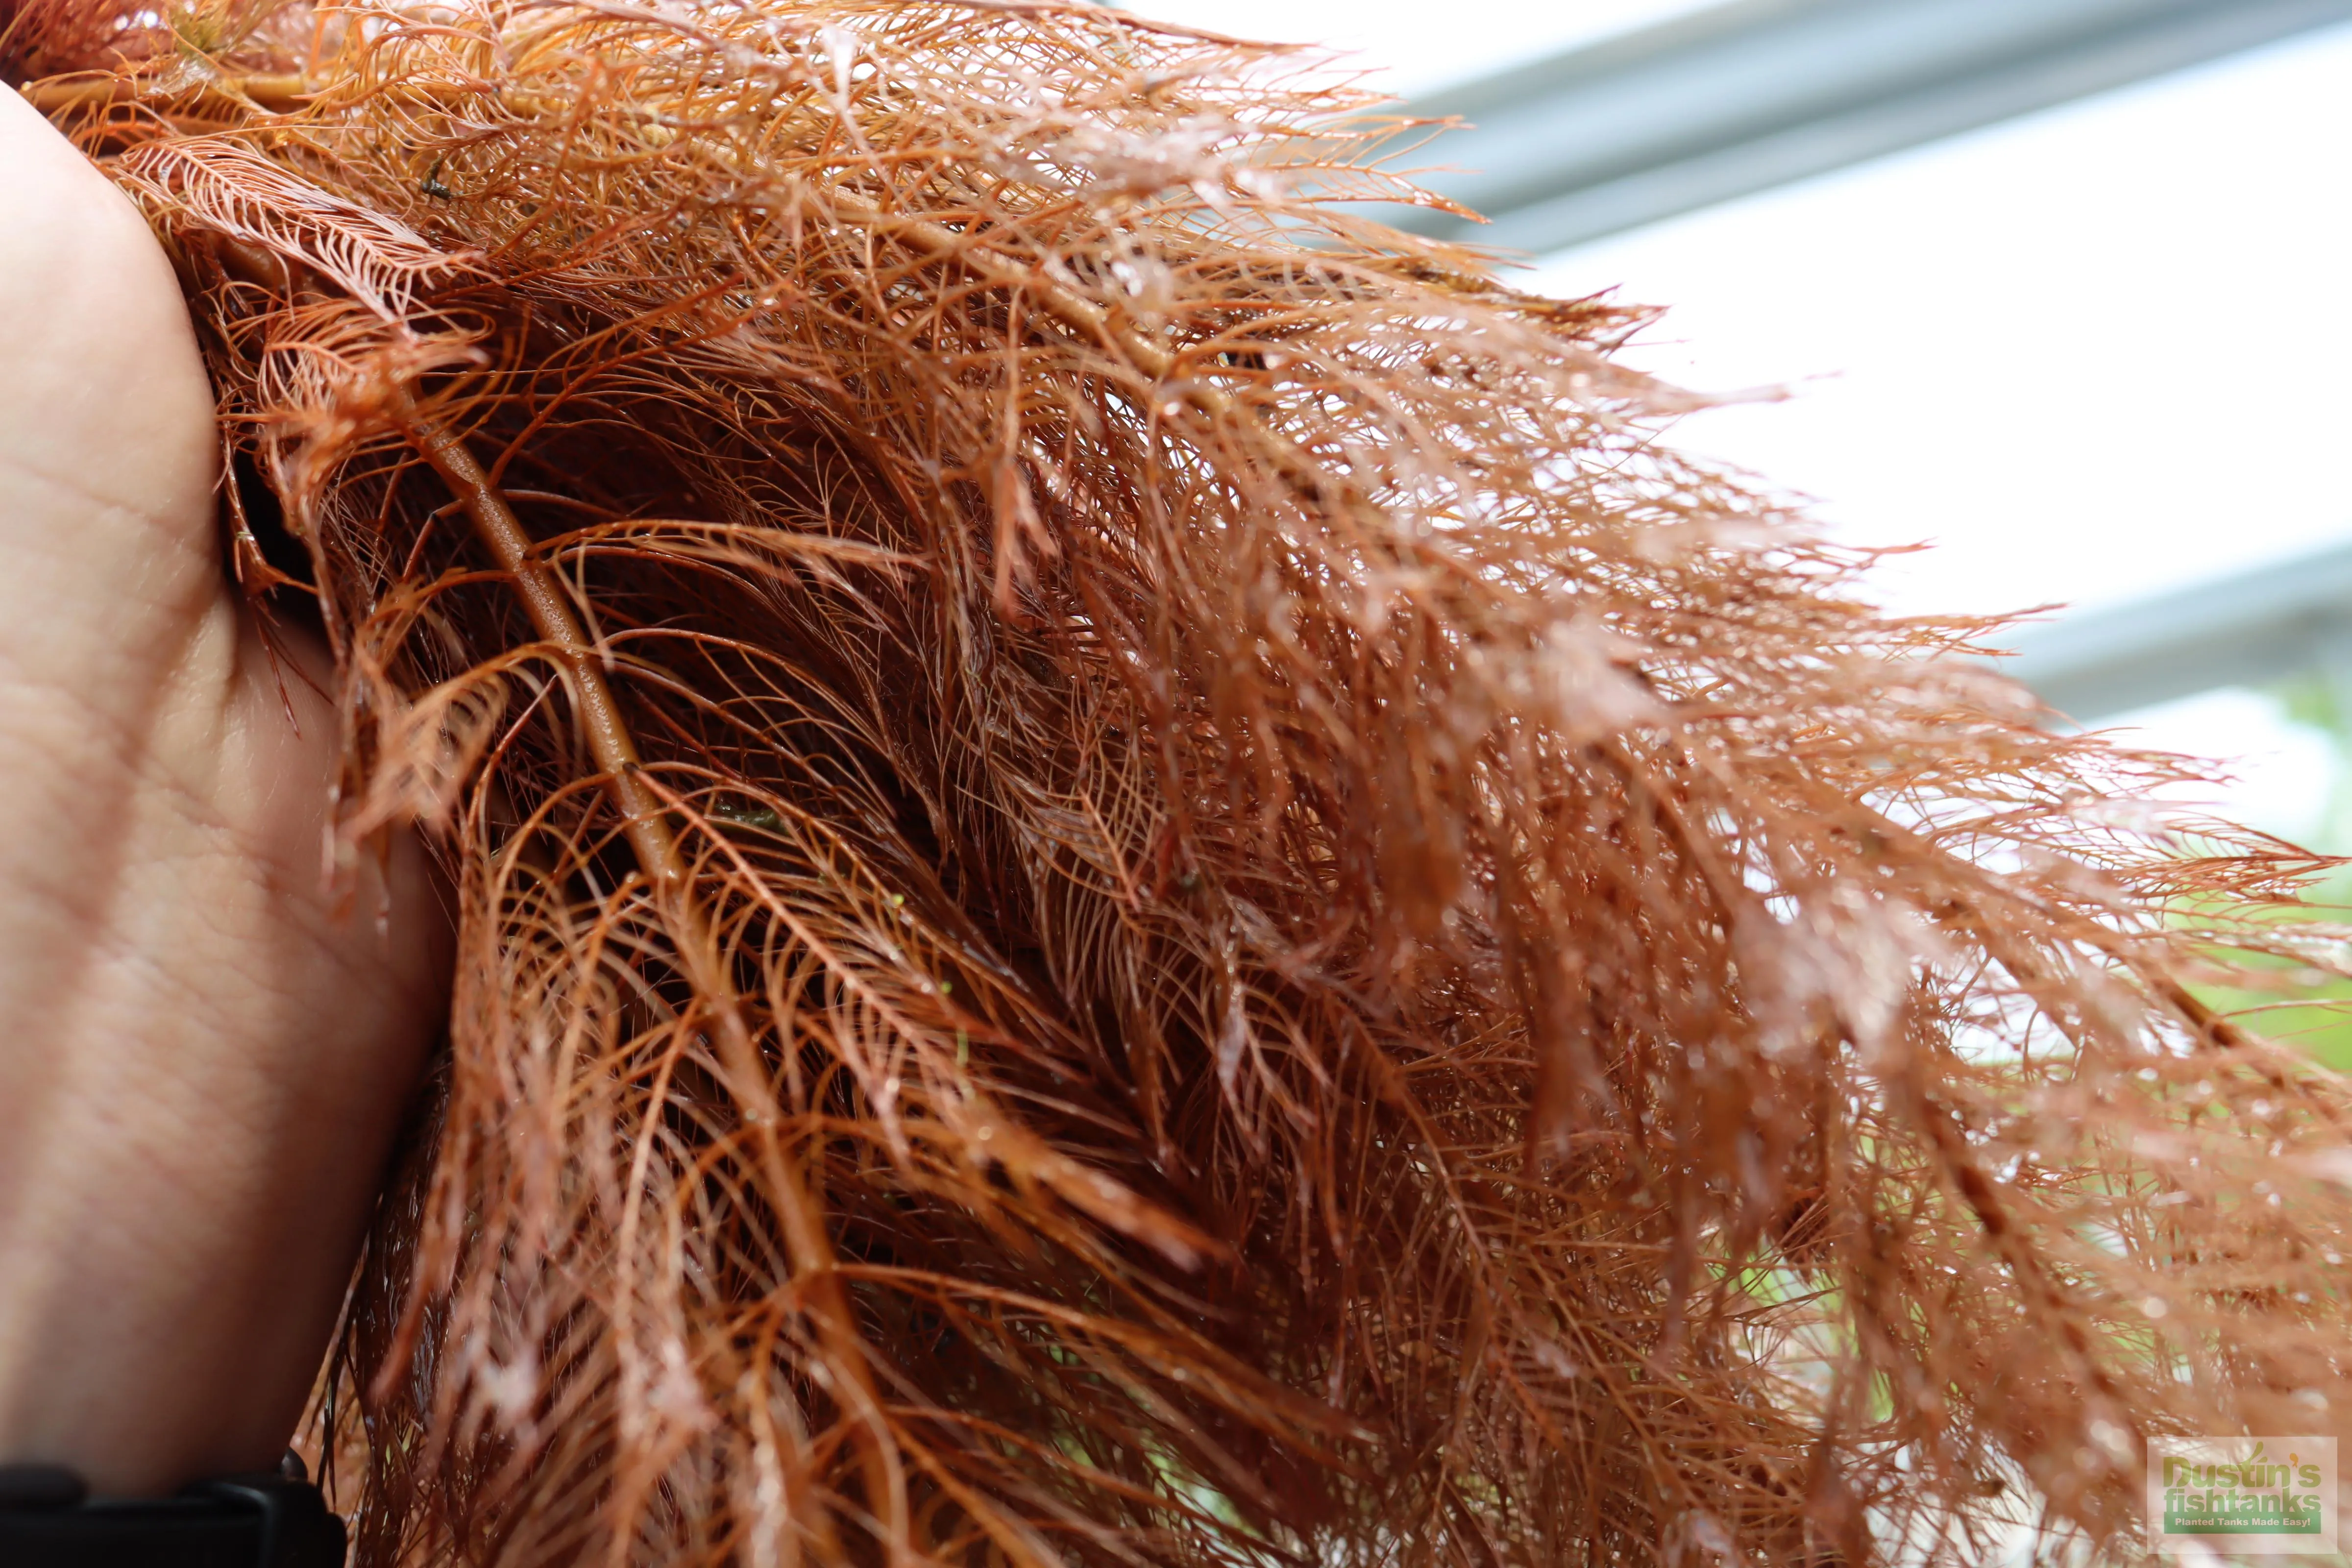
205,1050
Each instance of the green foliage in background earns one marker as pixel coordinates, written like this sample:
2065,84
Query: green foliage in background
2300,1002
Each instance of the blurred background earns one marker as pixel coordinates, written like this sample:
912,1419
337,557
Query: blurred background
2059,287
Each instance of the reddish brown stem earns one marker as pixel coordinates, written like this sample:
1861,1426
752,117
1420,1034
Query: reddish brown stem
664,866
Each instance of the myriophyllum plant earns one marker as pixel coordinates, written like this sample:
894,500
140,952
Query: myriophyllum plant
1140,882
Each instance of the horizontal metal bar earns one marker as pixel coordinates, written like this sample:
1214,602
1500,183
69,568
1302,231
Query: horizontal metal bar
2243,630
1746,96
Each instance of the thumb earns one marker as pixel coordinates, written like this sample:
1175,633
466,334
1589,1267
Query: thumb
108,448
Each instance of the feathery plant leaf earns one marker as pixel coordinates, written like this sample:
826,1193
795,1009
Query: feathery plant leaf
1140,883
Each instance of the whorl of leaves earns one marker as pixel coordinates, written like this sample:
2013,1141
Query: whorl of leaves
1138,882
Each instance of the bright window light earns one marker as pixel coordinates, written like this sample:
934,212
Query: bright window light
2091,353
1412,47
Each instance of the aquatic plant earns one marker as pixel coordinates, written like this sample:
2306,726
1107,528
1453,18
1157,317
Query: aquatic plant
1139,880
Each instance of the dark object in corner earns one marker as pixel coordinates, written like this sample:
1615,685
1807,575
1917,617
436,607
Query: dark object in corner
48,1520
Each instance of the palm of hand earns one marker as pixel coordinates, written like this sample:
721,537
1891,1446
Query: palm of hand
205,1052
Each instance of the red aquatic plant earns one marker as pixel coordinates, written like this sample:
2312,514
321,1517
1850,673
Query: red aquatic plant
1140,882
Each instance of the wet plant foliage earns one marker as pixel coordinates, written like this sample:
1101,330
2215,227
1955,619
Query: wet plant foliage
1140,882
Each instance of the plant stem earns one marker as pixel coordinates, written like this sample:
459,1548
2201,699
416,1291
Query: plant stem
664,865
